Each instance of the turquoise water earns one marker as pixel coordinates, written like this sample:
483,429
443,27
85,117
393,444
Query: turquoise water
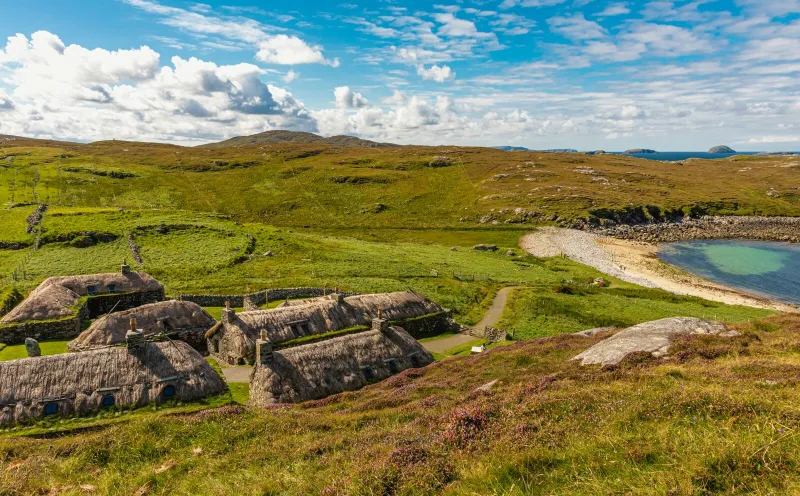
758,267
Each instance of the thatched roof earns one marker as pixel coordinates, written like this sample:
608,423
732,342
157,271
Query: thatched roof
345,363
78,382
325,314
56,297
154,318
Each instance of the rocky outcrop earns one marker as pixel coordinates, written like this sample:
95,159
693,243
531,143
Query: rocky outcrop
786,229
721,149
650,337
638,151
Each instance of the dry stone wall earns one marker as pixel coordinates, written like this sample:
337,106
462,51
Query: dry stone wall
259,298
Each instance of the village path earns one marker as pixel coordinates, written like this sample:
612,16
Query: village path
490,319
237,374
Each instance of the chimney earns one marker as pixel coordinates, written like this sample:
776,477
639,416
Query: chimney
380,324
134,338
228,314
125,269
263,349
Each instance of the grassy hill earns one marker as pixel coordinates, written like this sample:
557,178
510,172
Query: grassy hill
232,219
321,185
719,418
271,137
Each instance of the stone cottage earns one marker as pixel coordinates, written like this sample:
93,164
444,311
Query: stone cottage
181,320
55,309
314,371
233,339
121,378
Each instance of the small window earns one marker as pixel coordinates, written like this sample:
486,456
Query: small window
415,361
108,400
112,288
51,408
168,391
368,373
92,290
392,364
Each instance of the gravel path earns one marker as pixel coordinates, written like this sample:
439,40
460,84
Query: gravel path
579,246
490,318
237,374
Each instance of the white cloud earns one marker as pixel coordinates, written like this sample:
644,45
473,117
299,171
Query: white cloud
576,27
614,9
290,76
73,92
347,98
507,4
436,73
271,48
291,50
775,139
775,49
418,55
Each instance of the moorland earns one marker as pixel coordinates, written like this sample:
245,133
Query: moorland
235,218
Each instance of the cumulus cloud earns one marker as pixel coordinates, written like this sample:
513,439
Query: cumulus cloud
346,98
436,73
291,50
69,91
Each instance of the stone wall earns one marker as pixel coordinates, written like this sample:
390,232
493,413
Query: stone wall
194,337
258,298
41,330
428,325
117,302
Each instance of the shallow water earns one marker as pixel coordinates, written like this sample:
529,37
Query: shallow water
758,267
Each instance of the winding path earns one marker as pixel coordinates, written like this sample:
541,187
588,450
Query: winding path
490,318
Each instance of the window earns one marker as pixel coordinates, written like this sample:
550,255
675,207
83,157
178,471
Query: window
92,290
368,373
415,361
392,364
112,288
168,391
51,408
108,400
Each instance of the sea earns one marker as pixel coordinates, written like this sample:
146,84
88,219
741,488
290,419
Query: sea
675,156
757,267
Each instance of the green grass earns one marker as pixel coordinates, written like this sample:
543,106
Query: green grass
240,392
532,313
16,351
720,420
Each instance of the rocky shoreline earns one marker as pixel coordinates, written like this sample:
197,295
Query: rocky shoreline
786,229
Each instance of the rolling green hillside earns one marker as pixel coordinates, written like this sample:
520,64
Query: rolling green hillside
321,185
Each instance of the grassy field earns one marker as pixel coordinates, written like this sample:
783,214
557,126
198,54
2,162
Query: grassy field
719,418
534,313
330,187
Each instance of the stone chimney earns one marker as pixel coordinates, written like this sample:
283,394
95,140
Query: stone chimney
263,349
228,314
134,338
125,269
380,324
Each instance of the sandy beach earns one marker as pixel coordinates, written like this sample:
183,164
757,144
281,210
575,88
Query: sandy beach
637,263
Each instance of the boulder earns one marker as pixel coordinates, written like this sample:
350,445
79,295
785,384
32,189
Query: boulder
32,347
651,337
591,332
483,247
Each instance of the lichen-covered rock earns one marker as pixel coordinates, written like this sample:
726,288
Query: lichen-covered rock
32,347
651,337
440,161
483,247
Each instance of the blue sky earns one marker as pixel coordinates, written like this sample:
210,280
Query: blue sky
585,74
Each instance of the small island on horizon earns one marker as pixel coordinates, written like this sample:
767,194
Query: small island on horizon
721,149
